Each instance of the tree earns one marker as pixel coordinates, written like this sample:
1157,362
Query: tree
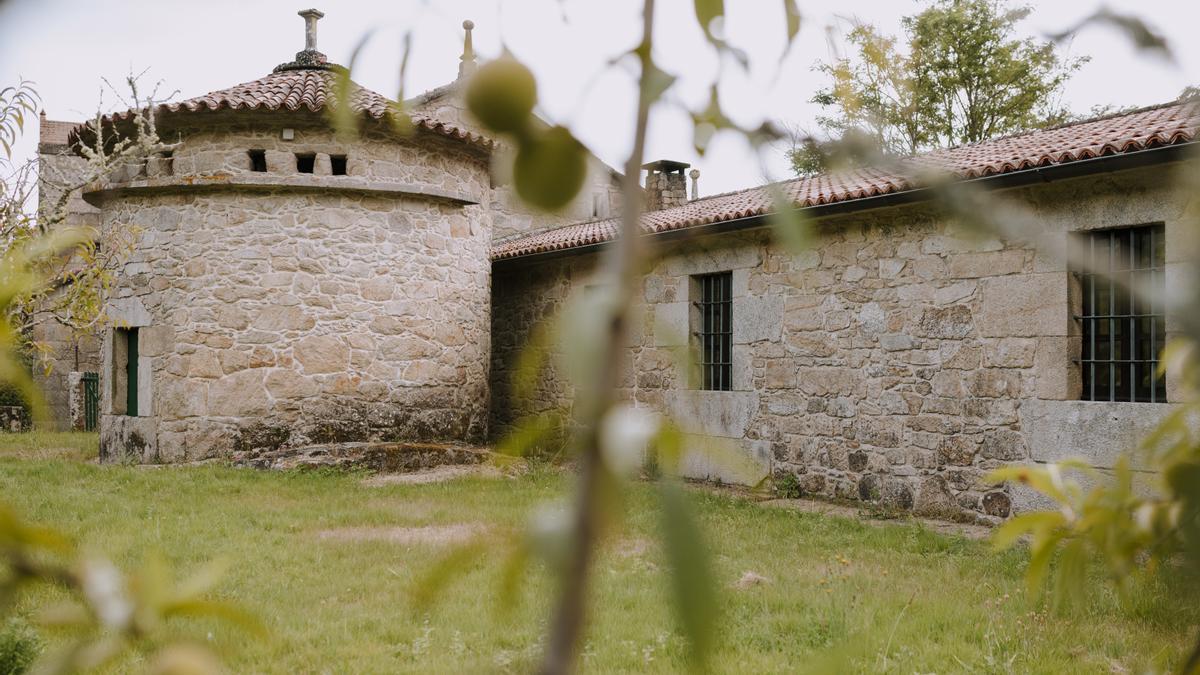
105,611
56,271
962,75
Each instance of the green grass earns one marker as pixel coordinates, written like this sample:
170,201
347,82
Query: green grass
844,596
49,445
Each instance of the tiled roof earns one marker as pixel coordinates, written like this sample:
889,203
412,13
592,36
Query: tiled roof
1143,129
293,90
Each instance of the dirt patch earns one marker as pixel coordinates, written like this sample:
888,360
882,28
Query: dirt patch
826,508
632,548
433,535
436,475
749,580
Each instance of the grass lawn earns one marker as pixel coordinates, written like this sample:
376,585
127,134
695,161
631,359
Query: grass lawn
896,598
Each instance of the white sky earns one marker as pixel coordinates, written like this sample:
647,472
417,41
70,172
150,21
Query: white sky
199,46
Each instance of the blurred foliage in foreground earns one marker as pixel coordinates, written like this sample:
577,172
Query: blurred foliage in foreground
109,611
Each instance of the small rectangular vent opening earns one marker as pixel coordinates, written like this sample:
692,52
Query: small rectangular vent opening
305,162
337,165
258,160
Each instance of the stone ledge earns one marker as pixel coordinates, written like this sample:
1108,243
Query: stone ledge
1096,431
399,457
98,192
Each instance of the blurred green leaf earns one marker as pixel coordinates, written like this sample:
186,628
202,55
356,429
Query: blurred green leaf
708,11
550,169
1131,26
453,565
692,583
792,14
1020,525
502,95
341,114
792,228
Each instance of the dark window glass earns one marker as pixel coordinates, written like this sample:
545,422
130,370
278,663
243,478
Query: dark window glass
337,165
305,163
716,331
258,160
1123,324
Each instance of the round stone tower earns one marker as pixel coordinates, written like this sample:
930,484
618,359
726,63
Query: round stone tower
291,285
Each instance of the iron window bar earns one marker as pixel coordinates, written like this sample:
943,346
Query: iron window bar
716,331
1122,336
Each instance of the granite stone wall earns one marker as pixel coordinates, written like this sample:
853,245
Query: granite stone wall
277,309
898,360
600,197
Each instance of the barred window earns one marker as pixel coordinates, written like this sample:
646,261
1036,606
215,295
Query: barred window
716,331
1123,330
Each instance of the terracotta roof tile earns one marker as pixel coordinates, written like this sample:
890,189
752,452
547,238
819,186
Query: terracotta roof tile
293,90
1169,124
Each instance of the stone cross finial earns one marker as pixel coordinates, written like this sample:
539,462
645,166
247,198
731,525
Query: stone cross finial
310,28
694,174
467,65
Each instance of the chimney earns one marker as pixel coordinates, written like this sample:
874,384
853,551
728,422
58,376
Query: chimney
666,186
309,58
695,175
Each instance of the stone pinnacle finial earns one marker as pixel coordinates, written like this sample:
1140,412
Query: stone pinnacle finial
309,58
694,174
467,65
310,28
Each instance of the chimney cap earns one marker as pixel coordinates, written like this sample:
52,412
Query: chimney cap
666,166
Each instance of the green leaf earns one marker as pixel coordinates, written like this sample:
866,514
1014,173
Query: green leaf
691,578
792,13
1039,567
341,113
791,227
225,611
1007,534
454,564
1072,572
706,12
656,82
513,575
527,433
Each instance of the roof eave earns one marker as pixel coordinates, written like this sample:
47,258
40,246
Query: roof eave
1013,179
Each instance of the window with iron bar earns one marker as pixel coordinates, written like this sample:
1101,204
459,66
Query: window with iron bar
1124,327
715,331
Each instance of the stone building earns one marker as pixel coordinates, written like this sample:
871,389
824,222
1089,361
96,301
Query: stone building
291,286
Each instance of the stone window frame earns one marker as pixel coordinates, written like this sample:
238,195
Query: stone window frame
124,390
127,314
1071,355
673,320
716,375
1078,304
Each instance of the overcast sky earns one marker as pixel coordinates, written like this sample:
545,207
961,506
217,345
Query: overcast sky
199,46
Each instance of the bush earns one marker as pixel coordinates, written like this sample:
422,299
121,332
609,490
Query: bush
19,647
787,485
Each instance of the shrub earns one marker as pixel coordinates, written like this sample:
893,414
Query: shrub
787,485
19,647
